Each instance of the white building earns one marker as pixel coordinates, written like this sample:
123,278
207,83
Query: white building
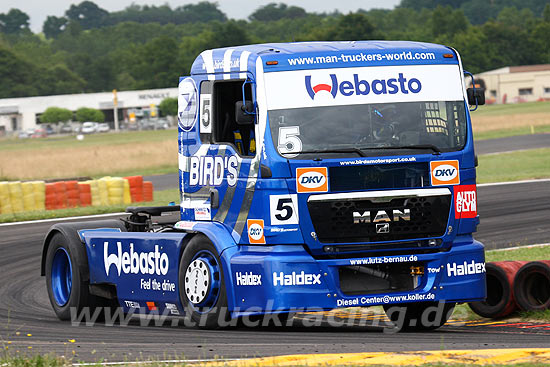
513,84
23,113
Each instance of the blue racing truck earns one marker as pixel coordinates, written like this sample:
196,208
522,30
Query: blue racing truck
313,176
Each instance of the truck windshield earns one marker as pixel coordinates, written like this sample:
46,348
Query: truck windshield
345,129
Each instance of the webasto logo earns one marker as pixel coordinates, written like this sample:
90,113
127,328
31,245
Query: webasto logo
133,262
362,87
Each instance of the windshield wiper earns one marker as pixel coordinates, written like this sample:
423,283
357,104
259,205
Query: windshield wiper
340,150
417,146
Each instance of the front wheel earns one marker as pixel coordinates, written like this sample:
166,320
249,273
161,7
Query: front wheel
202,284
422,316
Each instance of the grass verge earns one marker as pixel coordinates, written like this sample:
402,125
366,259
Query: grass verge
505,133
162,197
521,165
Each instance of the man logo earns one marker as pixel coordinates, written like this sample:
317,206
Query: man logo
445,173
256,231
311,179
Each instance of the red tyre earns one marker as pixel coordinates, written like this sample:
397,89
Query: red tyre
532,286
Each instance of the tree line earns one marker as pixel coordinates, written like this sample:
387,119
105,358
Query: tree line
90,49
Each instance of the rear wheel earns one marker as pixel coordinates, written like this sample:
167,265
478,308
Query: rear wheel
422,316
66,289
202,284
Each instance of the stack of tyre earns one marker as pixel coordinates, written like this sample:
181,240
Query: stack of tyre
513,286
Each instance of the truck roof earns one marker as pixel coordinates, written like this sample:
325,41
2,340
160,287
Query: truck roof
320,55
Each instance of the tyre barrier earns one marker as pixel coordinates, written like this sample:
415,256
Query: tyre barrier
532,286
17,197
500,300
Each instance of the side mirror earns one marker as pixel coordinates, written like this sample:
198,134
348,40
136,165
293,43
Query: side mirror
244,113
476,96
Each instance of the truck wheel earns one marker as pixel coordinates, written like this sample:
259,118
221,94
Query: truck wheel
65,288
202,284
422,316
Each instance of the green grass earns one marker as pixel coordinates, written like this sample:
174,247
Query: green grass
162,197
521,254
504,133
512,109
514,166
127,137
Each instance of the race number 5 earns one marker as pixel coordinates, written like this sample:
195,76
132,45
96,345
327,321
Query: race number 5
289,143
283,209
206,126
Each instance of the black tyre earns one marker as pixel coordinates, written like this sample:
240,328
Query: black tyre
422,316
202,284
66,289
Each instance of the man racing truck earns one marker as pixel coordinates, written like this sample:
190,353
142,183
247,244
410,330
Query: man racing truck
313,176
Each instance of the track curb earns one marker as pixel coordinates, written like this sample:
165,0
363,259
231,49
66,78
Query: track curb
473,357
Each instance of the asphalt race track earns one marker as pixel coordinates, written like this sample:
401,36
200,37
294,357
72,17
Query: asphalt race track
511,214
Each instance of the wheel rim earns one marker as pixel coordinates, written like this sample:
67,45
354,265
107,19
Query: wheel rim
202,281
62,277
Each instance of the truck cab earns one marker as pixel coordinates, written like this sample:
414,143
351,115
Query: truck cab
314,176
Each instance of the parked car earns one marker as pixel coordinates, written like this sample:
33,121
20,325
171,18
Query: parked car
89,128
39,133
66,129
103,127
49,129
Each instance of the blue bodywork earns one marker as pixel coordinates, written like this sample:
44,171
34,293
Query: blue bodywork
280,267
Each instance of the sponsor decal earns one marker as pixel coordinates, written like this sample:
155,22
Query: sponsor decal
282,229
255,231
248,278
133,262
466,268
465,201
301,278
398,84
445,172
187,104
384,260
155,285
384,299
203,214
211,170
434,270
152,306
311,179
172,308
184,225
132,304
283,209
377,161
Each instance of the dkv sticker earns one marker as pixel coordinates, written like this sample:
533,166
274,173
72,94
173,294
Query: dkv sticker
445,172
256,231
311,179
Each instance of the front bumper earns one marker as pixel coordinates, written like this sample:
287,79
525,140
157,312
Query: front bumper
265,279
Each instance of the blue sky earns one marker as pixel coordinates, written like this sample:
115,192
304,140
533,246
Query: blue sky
38,10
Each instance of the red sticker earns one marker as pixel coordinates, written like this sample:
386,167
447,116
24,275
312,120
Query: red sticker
465,201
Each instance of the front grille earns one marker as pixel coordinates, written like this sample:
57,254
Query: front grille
333,219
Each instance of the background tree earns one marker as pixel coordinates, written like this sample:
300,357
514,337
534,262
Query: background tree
169,107
53,26
84,114
14,22
87,14
273,11
56,115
